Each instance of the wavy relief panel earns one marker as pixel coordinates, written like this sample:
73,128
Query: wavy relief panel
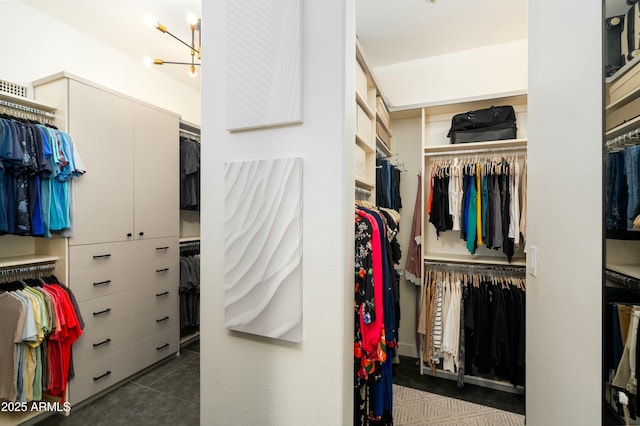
263,63
263,248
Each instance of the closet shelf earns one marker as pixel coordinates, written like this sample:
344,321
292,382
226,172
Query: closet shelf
362,143
187,239
9,262
365,106
629,269
383,147
364,183
26,102
380,120
475,147
623,128
485,260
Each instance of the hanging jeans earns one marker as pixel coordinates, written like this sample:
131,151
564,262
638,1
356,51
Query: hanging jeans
617,192
632,170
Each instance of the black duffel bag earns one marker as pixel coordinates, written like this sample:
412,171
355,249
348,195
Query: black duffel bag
489,124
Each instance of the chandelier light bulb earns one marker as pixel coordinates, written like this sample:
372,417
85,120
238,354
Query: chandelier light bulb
192,71
192,19
150,21
147,61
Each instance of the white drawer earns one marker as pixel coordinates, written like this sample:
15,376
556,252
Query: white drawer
156,248
101,256
107,371
92,283
102,310
98,342
154,271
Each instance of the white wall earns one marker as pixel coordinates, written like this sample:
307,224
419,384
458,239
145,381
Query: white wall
407,144
254,381
564,216
493,69
37,45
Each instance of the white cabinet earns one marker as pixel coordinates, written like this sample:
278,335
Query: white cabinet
131,152
123,257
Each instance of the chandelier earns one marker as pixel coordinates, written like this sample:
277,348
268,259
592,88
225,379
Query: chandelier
194,25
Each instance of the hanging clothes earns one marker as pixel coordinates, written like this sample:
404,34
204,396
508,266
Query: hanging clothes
473,323
481,199
189,290
377,313
41,321
388,185
38,164
189,174
414,252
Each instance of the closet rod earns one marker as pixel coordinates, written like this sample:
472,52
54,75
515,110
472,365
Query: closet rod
508,270
188,133
362,193
29,110
476,151
26,269
620,142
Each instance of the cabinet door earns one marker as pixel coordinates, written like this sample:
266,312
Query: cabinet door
101,125
156,173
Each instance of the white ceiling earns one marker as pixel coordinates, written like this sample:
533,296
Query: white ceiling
121,25
390,31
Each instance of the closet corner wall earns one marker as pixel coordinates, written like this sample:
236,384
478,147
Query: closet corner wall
123,257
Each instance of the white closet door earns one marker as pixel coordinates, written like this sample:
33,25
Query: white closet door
156,173
101,126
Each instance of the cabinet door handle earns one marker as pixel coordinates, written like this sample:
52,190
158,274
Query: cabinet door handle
106,311
129,235
159,348
104,342
162,248
162,319
162,294
141,233
102,256
102,283
162,270
95,379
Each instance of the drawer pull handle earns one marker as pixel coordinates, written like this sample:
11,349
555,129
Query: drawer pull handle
162,248
102,256
102,283
166,345
106,311
104,342
162,294
95,379
162,270
141,233
162,319
129,234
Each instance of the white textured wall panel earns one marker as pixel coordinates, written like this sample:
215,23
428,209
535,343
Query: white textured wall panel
263,248
264,67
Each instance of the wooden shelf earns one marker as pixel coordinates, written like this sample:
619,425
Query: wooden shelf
10,262
485,260
187,239
629,269
365,106
364,183
475,146
383,147
382,123
361,142
26,102
623,128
